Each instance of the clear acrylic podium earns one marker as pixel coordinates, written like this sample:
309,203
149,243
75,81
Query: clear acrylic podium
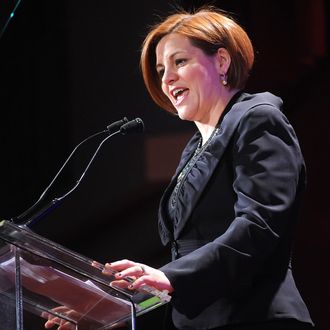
46,279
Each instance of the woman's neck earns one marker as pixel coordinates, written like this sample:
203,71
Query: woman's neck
206,128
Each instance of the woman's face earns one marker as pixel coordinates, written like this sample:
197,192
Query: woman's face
189,78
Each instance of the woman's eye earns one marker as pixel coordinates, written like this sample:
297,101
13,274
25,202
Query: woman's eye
180,62
160,73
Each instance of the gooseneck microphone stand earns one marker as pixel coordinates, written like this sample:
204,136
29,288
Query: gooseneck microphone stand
122,126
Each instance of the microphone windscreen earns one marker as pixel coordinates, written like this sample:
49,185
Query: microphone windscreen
134,126
116,125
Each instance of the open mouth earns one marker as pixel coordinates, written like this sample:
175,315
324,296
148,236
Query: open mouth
179,93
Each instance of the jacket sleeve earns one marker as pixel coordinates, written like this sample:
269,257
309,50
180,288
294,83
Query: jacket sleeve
267,165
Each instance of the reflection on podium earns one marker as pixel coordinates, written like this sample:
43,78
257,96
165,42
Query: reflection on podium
41,277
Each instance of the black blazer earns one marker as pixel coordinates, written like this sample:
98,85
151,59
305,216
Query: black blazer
233,225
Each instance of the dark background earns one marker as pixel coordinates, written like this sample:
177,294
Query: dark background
69,68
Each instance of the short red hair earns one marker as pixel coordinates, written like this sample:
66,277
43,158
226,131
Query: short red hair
207,29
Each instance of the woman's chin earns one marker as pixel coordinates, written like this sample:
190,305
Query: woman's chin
184,115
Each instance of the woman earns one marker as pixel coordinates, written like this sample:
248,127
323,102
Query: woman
230,210
231,207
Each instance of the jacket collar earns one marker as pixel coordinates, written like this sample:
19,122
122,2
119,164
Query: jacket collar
228,123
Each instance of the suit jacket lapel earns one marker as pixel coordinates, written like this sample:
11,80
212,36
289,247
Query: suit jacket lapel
165,226
211,158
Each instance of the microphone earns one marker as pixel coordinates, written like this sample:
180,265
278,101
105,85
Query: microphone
116,125
134,126
112,129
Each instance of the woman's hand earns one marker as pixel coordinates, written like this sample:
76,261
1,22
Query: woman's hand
61,323
140,274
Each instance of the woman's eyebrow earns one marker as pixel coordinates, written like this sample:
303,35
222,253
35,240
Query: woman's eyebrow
170,57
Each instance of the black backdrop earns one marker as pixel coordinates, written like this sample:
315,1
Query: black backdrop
69,68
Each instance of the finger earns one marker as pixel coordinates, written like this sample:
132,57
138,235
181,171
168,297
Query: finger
108,270
117,266
45,315
61,309
55,320
67,326
120,265
137,270
50,323
143,280
152,281
97,265
121,284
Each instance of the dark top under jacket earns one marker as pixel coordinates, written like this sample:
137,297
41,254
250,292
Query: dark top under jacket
231,217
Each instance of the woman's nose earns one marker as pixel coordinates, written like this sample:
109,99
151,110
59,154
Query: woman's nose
169,77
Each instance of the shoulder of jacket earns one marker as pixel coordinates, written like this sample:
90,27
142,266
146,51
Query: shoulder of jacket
249,101
261,104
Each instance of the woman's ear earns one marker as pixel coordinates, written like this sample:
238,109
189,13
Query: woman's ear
223,61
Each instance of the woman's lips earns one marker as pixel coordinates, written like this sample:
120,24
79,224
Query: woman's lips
178,99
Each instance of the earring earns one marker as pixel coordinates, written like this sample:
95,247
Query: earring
224,80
